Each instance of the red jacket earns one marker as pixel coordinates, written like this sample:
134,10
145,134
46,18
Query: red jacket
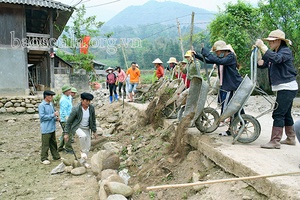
159,71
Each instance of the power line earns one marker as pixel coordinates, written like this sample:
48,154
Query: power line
86,1
159,32
155,23
103,4
77,3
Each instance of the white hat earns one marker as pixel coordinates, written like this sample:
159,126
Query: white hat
188,54
220,45
278,34
157,61
172,60
110,68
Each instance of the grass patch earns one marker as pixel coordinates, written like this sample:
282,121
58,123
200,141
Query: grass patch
146,76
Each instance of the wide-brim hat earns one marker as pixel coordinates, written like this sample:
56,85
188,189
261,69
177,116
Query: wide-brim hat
65,88
157,61
110,68
278,34
86,95
220,45
188,53
172,60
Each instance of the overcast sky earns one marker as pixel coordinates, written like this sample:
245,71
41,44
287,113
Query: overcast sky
109,8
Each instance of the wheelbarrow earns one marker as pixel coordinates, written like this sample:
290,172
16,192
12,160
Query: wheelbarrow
195,100
171,107
243,127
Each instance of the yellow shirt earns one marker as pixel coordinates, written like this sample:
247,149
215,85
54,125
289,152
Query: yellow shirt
134,75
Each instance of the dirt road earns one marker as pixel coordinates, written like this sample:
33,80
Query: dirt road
150,162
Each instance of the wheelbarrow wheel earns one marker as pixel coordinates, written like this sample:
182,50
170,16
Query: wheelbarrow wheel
207,122
251,131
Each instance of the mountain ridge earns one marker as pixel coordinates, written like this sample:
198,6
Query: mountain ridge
161,13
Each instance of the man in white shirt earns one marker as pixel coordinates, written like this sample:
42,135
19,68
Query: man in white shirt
82,120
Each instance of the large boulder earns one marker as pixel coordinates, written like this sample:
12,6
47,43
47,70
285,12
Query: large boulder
101,160
118,188
107,173
115,178
102,193
78,171
111,162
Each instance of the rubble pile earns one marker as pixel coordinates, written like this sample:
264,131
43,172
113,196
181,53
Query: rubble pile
100,96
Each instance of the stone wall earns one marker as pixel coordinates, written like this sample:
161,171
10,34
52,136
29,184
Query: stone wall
80,82
20,105
61,80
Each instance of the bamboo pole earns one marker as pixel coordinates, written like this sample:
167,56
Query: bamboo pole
125,60
180,38
219,181
192,30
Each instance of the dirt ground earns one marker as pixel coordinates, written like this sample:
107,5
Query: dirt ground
146,153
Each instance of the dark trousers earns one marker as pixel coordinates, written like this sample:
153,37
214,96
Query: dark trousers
121,85
49,142
282,114
112,89
62,143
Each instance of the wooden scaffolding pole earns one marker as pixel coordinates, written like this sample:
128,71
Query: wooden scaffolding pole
219,181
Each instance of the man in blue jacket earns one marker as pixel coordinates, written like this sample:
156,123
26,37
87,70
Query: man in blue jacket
65,108
48,117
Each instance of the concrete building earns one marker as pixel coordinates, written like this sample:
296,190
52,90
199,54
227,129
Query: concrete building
27,34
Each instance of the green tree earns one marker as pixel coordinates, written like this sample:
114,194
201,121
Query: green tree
284,15
74,34
237,26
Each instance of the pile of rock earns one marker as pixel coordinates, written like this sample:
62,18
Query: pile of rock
104,165
100,96
17,105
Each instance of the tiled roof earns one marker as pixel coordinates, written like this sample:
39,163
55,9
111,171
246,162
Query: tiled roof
40,3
